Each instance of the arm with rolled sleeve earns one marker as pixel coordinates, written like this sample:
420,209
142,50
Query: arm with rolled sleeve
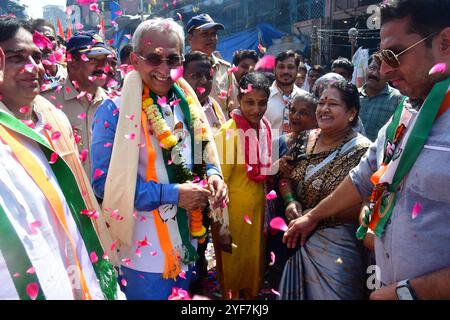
148,195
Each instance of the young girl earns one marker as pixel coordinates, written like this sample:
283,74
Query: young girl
244,146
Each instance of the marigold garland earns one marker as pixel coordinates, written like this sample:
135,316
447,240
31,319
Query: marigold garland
169,141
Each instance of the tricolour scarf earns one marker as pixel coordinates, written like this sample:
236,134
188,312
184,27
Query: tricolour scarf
405,137
257,148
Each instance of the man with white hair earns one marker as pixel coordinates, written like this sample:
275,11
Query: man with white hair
161,134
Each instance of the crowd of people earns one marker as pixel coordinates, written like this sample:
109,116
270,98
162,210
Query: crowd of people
119,168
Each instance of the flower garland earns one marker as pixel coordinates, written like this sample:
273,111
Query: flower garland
170,142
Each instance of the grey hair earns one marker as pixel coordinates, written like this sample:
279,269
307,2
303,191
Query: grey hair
157,25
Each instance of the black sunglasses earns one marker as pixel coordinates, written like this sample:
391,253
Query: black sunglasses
155,60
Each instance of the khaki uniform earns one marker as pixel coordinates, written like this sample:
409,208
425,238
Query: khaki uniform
80,113
222,81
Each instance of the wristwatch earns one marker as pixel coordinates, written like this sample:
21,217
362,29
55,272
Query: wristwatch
404,291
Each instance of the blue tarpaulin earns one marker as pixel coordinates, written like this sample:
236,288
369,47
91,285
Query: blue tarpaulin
248,39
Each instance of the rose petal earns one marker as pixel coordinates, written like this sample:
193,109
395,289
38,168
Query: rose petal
275,292
272,258
123,282
31,270
56,135
107,145
438,68
33,226
93,257
29,67
201,90
84,57
130,136
278,223
416,210
98,173
232,69
247,219
271,195
176,74
266,62
33,290
83,155
113,245
182,275
24,109
82,116
126,261
53,158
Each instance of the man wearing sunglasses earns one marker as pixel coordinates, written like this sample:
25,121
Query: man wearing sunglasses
405,173
141,175
202,36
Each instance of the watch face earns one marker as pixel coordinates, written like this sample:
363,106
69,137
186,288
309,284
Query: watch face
403,293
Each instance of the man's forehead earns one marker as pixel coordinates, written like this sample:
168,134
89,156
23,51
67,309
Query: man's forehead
289,60
395,34
21,41
197,65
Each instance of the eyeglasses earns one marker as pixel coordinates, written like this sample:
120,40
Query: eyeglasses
199,75
155,60
390,58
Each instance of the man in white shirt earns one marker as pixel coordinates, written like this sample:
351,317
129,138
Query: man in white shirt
283,91
49,248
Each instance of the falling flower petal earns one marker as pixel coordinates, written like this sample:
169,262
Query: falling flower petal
107,145
438,68
143,243
175,102
83,155
130,136
201,90
271,195
98,173
128,36
31,270
81,95
29,67
266,62
153,253
24,109
93,257
275,292
118,12
230,294
162,101
131,117
176,74
29,123
33,290
53,158
33,226
69,10
56,135
180,16
416,210
248,90
179,294
92,78
123,282
126,261
272,258
261,48
138,252
232,69
223,94
79,26
84,57
41,41
47,127
94,7
247,219
182,275
82,116
16,275
169,162
105,124
278,223
113,245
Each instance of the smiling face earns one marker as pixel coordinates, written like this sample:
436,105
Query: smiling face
203,40
165,44
253,106
411,77
301,117
286,72
332,113
23,70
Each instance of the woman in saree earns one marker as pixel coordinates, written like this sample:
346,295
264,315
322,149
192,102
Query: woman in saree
244,146
331,265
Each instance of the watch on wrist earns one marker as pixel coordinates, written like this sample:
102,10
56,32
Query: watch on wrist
404,291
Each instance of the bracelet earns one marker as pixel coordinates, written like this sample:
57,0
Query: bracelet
288,198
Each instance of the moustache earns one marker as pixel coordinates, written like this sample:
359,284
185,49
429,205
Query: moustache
373,78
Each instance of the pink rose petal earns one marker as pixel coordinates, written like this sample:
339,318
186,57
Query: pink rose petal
82,116
31,270
416,210
272,258
56,135
438,68
113,245
16,275
41,41
176,74
201,90
107,145
53,158
266,62
83,155
93,257
33,226
232,69
33,290
182,275
275,292
126,261
278,223
271,195
123,282
98,173
84,57
24,109
130,136
118,12
247,219
29,67
153,253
